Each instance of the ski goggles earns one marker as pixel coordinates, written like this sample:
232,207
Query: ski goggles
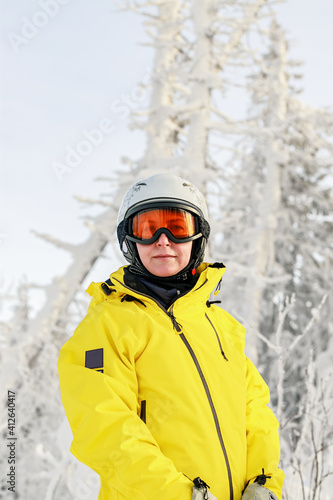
179,226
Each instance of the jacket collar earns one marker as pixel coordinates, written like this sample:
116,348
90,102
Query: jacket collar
210,276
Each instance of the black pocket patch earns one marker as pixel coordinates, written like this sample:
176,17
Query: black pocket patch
94,359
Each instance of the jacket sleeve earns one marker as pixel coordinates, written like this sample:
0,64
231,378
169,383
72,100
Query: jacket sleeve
263,445
102,409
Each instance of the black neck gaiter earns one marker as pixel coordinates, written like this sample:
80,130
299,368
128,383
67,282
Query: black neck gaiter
165,290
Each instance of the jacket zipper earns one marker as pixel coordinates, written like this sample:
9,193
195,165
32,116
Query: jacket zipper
202,377
176,326
213,410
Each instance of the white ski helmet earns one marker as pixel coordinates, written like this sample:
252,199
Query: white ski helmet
163,191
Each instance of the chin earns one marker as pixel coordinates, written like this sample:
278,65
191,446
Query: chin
163,274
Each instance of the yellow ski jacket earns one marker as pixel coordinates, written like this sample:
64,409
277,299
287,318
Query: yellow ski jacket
157,397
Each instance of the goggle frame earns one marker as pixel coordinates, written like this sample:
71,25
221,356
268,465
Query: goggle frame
164,230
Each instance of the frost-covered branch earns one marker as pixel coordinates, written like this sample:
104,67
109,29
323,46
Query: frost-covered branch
55,241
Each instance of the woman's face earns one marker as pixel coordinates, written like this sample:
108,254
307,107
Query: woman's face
164,257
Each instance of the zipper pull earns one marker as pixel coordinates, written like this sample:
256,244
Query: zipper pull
176,325
199,483
218,288
202,487
262,478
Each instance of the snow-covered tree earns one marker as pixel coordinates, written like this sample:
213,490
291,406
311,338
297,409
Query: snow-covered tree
281,235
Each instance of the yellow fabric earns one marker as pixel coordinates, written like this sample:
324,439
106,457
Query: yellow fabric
146,360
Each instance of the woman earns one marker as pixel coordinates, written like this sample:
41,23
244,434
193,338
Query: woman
160,397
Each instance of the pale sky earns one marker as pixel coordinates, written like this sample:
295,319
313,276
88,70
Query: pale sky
61,81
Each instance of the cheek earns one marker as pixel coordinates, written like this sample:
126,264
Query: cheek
186,250
141,250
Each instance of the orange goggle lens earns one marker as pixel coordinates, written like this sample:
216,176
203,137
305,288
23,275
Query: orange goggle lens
179,222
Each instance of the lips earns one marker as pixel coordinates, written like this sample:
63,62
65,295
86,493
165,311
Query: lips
164,256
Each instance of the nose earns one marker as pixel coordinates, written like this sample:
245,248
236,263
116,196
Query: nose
163,240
